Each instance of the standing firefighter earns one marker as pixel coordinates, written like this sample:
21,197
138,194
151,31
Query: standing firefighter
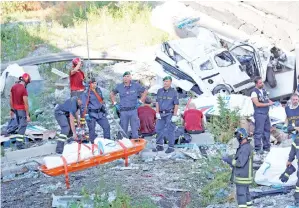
128,93
261,104
65,115
20,108
242,168
292,112
94,111
76,78
166,109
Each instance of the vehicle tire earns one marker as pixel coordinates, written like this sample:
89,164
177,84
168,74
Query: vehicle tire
270,77
221,89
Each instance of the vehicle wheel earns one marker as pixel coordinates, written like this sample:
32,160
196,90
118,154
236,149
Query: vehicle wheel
270,77
221,89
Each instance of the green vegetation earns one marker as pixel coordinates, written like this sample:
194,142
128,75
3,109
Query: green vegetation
100,199
121,25
217,190
224,125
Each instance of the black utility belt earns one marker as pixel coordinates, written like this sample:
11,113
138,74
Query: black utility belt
101,110
166,111
128,108
62,113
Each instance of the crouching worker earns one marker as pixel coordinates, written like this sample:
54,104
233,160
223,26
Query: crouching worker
242,168
65,115
193,120
93,111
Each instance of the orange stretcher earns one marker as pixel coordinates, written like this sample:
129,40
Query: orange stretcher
138,145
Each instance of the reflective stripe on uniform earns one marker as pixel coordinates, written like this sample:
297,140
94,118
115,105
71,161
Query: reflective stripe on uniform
287,175
249,203
19,137
234,162
294,144
297,189
61,137
249,179
243,205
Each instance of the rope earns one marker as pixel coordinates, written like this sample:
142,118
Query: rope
87,42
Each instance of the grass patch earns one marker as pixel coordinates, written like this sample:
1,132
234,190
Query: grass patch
101,199
218,189
19,40
111,25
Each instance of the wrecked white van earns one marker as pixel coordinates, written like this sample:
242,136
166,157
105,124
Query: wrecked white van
207,68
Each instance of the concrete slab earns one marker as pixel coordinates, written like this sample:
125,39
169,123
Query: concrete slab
25,154
202,139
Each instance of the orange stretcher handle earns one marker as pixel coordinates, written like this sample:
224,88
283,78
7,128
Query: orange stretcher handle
125,153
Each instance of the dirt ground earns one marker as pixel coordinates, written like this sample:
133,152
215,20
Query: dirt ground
146,180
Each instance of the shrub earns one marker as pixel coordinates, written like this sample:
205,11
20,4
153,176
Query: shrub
223,125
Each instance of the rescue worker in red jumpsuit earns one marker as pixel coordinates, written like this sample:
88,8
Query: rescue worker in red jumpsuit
76,78
20,108
76,81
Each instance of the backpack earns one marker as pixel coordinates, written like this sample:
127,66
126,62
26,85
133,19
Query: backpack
181,136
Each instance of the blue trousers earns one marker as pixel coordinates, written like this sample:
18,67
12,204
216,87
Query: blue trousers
165,128
131,117
262,131
63,122
102,120
21,119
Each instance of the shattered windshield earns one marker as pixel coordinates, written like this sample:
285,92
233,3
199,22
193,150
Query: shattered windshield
224,59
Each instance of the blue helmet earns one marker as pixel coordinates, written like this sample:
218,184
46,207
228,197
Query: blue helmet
240,134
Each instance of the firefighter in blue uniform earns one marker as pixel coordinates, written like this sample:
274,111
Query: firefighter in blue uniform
261,104
242,165
292,113
129,92
65,115
166,108
93,111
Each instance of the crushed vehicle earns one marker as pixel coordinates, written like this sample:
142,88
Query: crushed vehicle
222,66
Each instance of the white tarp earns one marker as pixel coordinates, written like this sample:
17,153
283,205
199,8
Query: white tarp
12,70
274,165
70,152
209,105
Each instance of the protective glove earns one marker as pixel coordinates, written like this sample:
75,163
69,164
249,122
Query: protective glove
116,106
140,103
228,160
87,117
284,178
174,119
276,104
158,116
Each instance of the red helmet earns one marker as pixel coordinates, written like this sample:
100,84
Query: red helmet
75,61
26,78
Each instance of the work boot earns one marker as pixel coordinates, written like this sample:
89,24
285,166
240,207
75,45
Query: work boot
59,147
158,148
259,152
267,150
20,145
169,150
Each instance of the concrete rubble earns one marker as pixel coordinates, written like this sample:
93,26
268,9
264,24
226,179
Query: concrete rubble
163,178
